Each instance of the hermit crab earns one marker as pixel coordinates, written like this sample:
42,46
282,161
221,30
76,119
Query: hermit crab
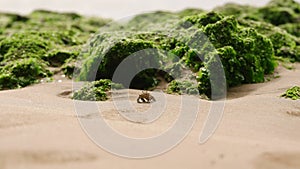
145,97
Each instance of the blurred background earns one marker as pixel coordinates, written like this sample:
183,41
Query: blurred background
115,9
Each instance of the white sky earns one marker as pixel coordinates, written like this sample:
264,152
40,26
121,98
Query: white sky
114,8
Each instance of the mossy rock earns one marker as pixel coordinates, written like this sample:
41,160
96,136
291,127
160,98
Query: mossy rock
8,19
118,53
182,87
276,12
201,20
69,67
292,28
243,51
281,40
292,4
51,15
95,91
246,54
112,55
23,72
278,15
235,9
41,39
292,93
189,12
57,58
24,45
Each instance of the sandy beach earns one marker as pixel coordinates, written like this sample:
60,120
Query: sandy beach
259,130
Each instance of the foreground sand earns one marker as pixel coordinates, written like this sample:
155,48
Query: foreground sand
259,130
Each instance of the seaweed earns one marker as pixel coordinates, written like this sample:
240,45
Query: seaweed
292,93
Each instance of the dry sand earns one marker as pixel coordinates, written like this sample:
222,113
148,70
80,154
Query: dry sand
259,130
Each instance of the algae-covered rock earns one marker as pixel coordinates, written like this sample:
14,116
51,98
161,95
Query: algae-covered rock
34,44
57,58
147,21
24,45
278,15
41,39
69,67
292,93
246,55
189,12
8,19
23,72
281,40
42,20
201,20
292,28
276,12
108,50
182,87
292,4
39,45
235,9
95,91
245,47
